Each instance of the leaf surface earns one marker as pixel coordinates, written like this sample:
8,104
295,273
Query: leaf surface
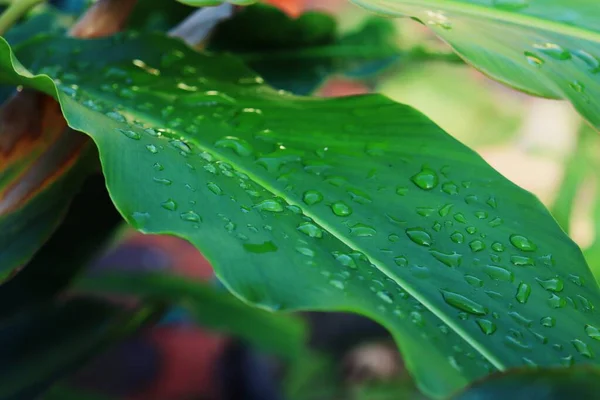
353,204
549,48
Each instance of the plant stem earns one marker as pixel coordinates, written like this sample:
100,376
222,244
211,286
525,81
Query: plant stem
14,12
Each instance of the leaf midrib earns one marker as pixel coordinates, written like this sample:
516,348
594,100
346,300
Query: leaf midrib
475,10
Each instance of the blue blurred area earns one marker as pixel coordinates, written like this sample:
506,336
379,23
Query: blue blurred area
70,6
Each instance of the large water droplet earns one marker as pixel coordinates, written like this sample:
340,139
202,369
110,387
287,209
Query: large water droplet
450,259
522,243
498,273
582,348
457,237
477,246
419,236
548,322
311,197
190,216
169,204
310,229
463,303
239,146
362,230
341,209
552,285
271,205
592,332
427,179
521,261
213,187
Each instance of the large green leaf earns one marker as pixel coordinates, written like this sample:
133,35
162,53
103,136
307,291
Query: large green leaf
307,49
549,48
357,204
212,308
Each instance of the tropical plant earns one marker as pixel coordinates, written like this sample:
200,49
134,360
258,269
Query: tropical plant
355,204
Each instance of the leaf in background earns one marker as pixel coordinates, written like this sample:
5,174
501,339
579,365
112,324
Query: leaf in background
47,21
212,308
306,50
205,3
43,344
549,48
528,384
42,164
152,15
577,168
352,204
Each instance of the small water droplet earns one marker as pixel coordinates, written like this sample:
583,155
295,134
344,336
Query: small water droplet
239,146
477,246
457,237
592,332
158,166
450,188
271,205
310,229
419,236
548,322
130,134
591,61
473,281
213,187
162,181
427,179
359,196
311,197
362,230
520,319
554,51
498,247
152,148
495,222
459,217
337,284
533,59
486,326
401,261
449,259
522,243
181,146
523,292
463,303
341,209
556,302
385,296
401,190
471,230
521,261
498,273
140,219
582,348
190,216
169,204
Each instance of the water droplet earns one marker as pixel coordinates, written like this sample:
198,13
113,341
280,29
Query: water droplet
427,179
522,243
213,187
554,51
271,205
162,181
445,210
345,259
495,222
463,303
385,296
548,322
341,209
401,261
576,279
498,247
170,58
359,196
516,344
567,361
459,217
311,197
552,285
419,236
140,219
305,251
401,190
457,237
152,148
471,230
577,86
521,261
169,204
337,284
498,273
450,188
158,166
592,62
556,302
486,326
477,246
592,332
582,348
533,59
239,146
523,292
260,248
181,146
520,319
473,281
310,229
393,238
425,211
451,260
481,214
190,216
362,230
130,134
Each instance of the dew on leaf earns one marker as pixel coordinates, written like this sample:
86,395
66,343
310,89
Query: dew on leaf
169,204
553,50
449,259
552,285
385,296
533,59
426,179
130,134
522,243
260,248
445,210
473,281
498,273
463,303
152,148
457,237
190,216
401,190
311,197
520,319
548,322
271,205
487,327
181,145
498,247
362,230
140,219
162,181
523,292
582,348
477,246
521,261
239,146
401,261
310,229
450,188
213,187
419,236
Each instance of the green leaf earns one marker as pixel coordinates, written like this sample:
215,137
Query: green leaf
151,15
549,48
212,308
40,345
353,204
204,3
307,49
547,384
